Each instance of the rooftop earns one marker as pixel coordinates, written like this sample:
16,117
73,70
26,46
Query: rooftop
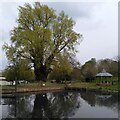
104,74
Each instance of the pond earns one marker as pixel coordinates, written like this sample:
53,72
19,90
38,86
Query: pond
65,104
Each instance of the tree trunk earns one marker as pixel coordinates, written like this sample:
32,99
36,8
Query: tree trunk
40,73
40,105
42,108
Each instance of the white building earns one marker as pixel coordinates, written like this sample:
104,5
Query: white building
4,82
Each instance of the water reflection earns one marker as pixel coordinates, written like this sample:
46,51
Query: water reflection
110,100
57,105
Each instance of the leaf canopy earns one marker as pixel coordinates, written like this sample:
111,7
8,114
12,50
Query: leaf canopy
41,35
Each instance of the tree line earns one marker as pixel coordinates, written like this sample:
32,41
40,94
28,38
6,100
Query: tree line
64,69
87,71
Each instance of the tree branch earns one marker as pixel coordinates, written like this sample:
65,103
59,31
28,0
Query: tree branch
25,56
63,46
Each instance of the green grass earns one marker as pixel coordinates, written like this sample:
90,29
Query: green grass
92,85
48,84
38,85
75,84
8,87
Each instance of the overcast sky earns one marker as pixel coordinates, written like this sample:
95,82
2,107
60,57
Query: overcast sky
96,20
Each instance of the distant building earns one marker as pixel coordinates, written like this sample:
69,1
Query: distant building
104,74
4,82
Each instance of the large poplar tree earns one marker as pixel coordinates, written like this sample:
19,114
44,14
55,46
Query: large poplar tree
40,36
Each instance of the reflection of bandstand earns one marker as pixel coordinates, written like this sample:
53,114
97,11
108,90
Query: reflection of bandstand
103,96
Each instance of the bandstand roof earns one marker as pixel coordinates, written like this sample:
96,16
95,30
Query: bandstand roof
104,74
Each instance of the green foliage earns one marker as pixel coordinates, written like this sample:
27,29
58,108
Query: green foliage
76,74
92,67
19,71
109,65
40,36
62,69
89,70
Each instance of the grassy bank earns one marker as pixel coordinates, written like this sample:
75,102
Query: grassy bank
73,84
32,87
93,85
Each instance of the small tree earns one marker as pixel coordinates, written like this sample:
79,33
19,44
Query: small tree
62,69
76,74
89,70
40,36
22,70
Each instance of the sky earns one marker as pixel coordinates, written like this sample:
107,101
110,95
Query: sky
96,20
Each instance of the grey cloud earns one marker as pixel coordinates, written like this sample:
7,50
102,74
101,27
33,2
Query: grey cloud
9,10
8,18
75,10
10,13
3,62
119,30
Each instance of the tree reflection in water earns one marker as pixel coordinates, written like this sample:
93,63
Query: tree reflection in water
45,105
93,98
55,105
19,107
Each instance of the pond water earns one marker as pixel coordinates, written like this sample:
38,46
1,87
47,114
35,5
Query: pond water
67,104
